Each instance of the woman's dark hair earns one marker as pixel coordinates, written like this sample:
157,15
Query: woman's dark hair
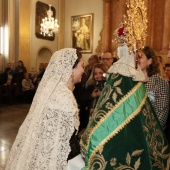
153,68
79,55
21,62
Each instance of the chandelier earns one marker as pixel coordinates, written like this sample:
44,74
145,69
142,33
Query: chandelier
49,25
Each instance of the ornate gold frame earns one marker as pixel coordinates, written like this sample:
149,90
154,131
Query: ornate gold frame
82,38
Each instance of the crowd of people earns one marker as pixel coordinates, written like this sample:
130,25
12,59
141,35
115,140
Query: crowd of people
18,80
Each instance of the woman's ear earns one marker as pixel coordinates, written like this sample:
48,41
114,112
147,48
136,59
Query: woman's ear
149,61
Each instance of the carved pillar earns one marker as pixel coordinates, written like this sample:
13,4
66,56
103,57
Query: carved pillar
166,32
106,42
1,13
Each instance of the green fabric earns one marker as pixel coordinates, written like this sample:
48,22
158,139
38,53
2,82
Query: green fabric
124,132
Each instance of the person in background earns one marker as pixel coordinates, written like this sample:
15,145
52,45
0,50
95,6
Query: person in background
28,88
95,84
39,76
20,70
9,68
92,61
34,80
8,74
156,86
42,68
107,58
43,140
167,70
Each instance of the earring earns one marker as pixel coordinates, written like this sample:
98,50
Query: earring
72,77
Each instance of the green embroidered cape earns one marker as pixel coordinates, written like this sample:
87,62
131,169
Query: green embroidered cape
123,132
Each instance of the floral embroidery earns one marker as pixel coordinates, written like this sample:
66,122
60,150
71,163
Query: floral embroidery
158,149
128,165
117,90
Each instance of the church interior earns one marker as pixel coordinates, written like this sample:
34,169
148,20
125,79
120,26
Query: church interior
21,39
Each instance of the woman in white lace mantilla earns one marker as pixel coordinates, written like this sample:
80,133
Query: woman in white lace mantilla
42,142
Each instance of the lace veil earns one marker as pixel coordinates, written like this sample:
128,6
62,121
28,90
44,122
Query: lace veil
43,139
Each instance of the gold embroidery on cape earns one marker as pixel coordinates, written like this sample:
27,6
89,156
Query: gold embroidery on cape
90,133
118,129
118,166
156,141
98,113
98,161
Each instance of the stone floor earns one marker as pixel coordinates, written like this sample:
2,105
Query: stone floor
11,117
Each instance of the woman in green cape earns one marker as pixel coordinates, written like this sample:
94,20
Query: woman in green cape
124,132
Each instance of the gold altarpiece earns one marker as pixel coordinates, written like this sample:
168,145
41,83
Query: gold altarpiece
158,31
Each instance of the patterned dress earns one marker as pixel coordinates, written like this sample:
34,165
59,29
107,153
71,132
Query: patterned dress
158,92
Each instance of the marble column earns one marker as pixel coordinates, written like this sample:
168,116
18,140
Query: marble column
106,42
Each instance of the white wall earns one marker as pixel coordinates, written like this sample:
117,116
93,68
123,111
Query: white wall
79,7
36,44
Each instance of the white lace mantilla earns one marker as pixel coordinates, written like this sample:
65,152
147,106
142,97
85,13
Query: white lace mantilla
126,65
42,142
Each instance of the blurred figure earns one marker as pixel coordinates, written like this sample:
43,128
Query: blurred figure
167,70
20,70
9,68
107,58
92,61
42,67
28,88
39,76
8,75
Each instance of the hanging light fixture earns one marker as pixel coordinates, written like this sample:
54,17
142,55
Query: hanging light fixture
49,25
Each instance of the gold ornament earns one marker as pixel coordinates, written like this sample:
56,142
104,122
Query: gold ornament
133,30
72,77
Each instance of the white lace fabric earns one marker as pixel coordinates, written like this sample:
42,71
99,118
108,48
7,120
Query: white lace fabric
42,142
126,65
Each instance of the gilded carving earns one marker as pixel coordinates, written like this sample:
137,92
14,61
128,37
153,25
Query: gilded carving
134,25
